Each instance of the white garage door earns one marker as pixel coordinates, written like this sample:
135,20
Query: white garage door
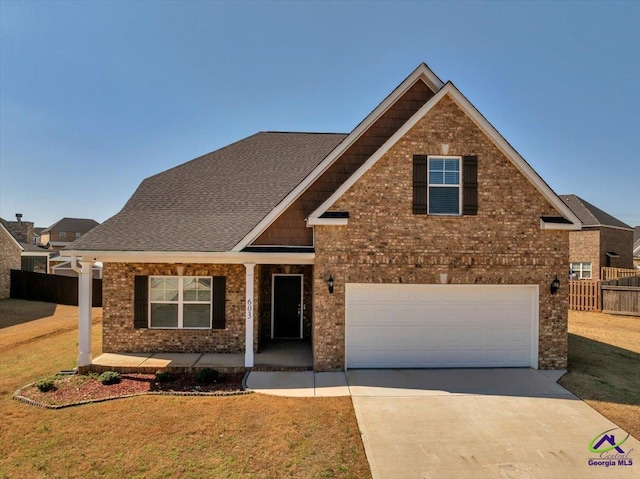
441,326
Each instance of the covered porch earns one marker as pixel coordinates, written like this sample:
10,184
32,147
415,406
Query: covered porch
273,356
268,309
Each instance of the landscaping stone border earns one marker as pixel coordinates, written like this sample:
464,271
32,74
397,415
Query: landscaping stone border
18,396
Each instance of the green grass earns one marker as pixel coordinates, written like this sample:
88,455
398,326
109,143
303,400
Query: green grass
604,366
252,436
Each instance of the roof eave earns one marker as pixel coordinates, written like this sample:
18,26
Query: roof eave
225,257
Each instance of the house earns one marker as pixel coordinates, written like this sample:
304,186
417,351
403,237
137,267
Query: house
32,257
10,250
604,241
17,251
636,247
65,231
36,235
420,239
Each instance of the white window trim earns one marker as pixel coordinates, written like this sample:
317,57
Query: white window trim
181,302
580,269
459,185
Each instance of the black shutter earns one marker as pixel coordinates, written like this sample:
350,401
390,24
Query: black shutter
140,302
219,302
469,185
419,184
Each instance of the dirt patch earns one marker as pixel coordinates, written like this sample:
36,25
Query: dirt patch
79,389
24,322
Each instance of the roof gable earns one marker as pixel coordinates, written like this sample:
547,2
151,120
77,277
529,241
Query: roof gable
488,129
421,73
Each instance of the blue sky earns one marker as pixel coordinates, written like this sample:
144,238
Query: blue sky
96,96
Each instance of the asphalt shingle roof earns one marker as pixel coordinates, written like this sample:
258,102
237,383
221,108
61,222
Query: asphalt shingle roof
78,225
210,203
591,215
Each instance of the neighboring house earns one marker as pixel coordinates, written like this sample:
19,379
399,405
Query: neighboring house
64,232
10,250
36,235
344,240
603,241
636,247
16,254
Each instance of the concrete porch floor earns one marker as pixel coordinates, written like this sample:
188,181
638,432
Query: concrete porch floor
273,356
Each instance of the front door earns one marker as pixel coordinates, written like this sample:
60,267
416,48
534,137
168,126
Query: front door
286,313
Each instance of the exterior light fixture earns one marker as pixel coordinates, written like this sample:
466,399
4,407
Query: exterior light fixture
330,284
555,285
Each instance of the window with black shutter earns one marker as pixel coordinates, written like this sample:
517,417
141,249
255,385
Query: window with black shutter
445,185
179,302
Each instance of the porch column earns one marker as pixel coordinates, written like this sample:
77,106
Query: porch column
85,297
248,354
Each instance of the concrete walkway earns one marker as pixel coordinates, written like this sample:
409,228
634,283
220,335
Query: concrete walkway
298,383
480,423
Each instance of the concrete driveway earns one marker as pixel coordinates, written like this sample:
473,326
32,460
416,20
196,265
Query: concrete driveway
480,423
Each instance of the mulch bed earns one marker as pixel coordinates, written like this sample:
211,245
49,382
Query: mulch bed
76,389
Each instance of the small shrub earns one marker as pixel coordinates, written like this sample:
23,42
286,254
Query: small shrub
163,376
207,376
109,377
45,385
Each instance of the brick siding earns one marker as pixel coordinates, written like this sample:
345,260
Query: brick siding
119,335
584,247
9,259
591,246
385,243
618,241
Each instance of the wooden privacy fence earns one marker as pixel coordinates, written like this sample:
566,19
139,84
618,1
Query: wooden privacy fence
584,295
615,273
50,288
621,296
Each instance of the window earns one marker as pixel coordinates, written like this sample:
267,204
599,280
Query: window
63,234
180,302
78,235
444,191
580,271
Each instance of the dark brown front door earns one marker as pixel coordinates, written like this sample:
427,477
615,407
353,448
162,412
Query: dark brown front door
287,306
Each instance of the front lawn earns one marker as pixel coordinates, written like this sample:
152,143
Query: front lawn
253,436
604,366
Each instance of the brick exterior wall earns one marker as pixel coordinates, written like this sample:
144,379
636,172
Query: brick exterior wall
119,335
619,241
266,287
584,247
385,243
591,245
9,259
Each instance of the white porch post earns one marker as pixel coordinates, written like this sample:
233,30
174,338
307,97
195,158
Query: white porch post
85,283
248,355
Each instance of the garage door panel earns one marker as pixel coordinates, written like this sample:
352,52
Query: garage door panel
441,325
